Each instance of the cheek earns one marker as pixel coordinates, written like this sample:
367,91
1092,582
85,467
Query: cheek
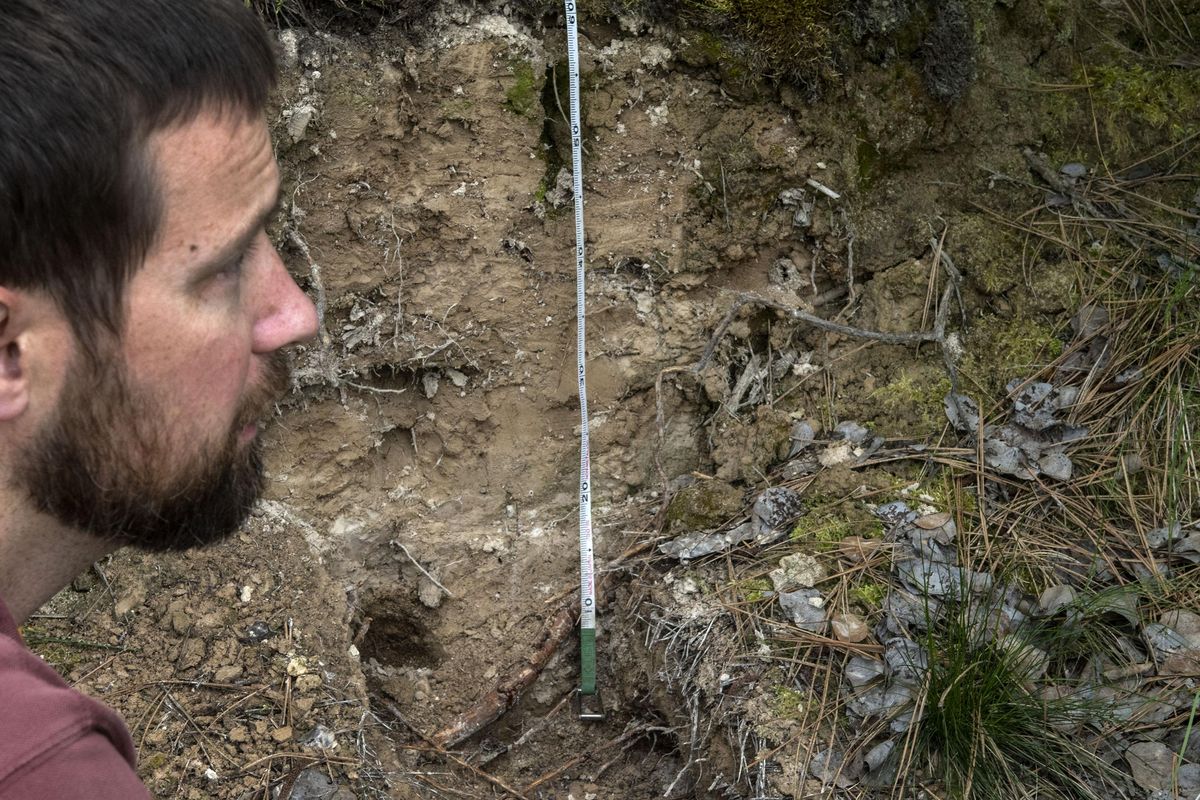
199,385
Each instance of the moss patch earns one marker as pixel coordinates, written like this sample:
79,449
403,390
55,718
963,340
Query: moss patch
1130,99
915,395
791,40
522,97
827,523
999,350
706,504
869,595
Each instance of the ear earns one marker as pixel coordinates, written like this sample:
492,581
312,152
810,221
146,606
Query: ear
14,377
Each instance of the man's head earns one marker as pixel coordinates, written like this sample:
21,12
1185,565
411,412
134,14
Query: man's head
142,307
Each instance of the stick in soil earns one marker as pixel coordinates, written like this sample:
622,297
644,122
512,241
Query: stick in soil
749,298
507,690
442,751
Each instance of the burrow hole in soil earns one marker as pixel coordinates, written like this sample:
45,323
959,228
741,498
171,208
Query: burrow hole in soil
399,635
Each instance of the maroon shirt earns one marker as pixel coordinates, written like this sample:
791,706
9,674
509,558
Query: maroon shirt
55,743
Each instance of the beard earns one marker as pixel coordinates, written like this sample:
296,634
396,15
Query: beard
106,464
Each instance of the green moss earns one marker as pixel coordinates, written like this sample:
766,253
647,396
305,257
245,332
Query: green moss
755,589
1129,99
999,350
705,504
988,252
791,40
831,520
787,702
458,110
869,594
522,97
152,761
916,396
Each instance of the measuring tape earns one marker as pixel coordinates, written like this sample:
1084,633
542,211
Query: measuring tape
587,573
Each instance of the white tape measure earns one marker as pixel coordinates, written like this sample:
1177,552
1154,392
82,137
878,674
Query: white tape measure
587,573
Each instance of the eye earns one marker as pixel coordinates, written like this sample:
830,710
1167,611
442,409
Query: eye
232,271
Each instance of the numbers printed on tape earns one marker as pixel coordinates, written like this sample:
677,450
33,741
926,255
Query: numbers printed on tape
587,588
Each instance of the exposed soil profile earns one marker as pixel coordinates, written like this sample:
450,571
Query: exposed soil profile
418,537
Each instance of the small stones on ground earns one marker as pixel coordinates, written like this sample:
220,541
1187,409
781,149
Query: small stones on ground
806,609
429,593
849,628
773,510
702,543
1055,598
297,666
905,658
1151,764
282,734
258,632
861,670
321,738
798,570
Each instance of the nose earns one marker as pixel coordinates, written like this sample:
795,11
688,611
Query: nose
287,316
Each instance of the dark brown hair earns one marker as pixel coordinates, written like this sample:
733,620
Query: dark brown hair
83,83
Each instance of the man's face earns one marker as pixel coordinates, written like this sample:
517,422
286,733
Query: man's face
157,445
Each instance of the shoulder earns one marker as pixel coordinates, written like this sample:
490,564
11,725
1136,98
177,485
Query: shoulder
41,715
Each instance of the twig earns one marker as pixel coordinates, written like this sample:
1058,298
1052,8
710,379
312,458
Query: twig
507,690
749,298
440,750
554,773
504,695
424,572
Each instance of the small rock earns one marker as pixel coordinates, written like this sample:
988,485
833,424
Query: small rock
852,432
313,784
297,666
239,733
1186,623
228,673
774,508
1160,537
1188,777
905,658
802,436
1164,641
429,383
1151,764
298,121
258,632
895,513
861,670
1055,599
806,608
702,543
797,570
1056,465
321,738
282,734
849,627
931,521
1073,170
429,593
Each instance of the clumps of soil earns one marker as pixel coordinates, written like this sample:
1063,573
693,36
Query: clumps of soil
949,52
